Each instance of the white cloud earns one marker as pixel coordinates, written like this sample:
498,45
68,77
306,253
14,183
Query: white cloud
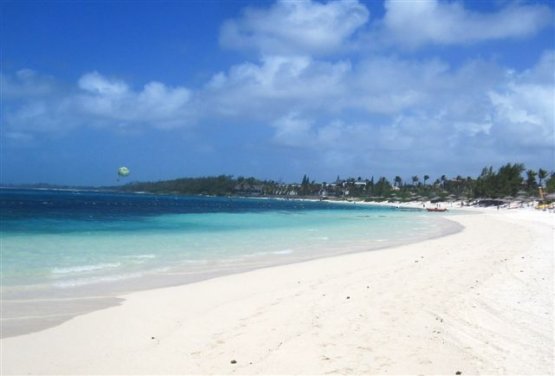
313,99
25,83
386,85
376,86
478,112
293,131
473,128
96,101
95,83
293,27
353,112
274,86
415,23
524,107
38,116
380,104
156,104
340,137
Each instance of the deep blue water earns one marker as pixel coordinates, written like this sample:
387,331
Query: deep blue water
44,210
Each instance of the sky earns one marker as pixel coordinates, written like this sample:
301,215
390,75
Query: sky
274,89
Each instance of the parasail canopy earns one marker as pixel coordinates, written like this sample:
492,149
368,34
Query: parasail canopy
123,171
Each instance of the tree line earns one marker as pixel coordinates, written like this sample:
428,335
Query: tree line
511,180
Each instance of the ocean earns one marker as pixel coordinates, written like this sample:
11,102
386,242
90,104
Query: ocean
79,244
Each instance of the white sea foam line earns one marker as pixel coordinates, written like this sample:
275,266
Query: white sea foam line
255,254
84,268
195,262
283,252
149,256
140,259
94,280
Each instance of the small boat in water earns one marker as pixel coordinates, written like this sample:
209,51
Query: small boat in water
436,209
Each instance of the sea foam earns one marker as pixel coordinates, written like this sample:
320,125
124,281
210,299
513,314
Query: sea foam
85,268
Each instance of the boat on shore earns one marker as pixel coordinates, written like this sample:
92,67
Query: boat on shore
436,209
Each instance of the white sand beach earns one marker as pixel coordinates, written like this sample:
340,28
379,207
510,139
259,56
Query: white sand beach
476,302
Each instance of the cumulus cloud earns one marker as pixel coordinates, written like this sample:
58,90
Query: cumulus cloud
351,110
97,84
415,23
477,111
524,107
293,27
156,104
274,85
340,111
291,130
319,29
95,101
376,86
389,85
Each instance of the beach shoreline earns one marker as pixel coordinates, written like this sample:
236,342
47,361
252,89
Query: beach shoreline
30,308
476,301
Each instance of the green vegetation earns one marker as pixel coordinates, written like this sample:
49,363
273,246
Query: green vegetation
214,186
509,181
506,182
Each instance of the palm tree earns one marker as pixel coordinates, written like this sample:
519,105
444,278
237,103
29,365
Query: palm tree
531,178
398,181
542,174
426,177
414,180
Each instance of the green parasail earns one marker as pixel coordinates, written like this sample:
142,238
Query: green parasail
123,171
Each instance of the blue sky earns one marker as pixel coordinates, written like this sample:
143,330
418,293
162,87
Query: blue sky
274,89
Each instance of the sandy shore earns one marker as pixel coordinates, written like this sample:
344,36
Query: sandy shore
479,302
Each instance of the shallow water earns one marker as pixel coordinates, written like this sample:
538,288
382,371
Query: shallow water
59,245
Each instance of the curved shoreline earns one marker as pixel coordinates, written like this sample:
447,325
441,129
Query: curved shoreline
477,301
29,314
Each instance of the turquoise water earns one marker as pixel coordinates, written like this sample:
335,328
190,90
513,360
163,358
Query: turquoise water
64,241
